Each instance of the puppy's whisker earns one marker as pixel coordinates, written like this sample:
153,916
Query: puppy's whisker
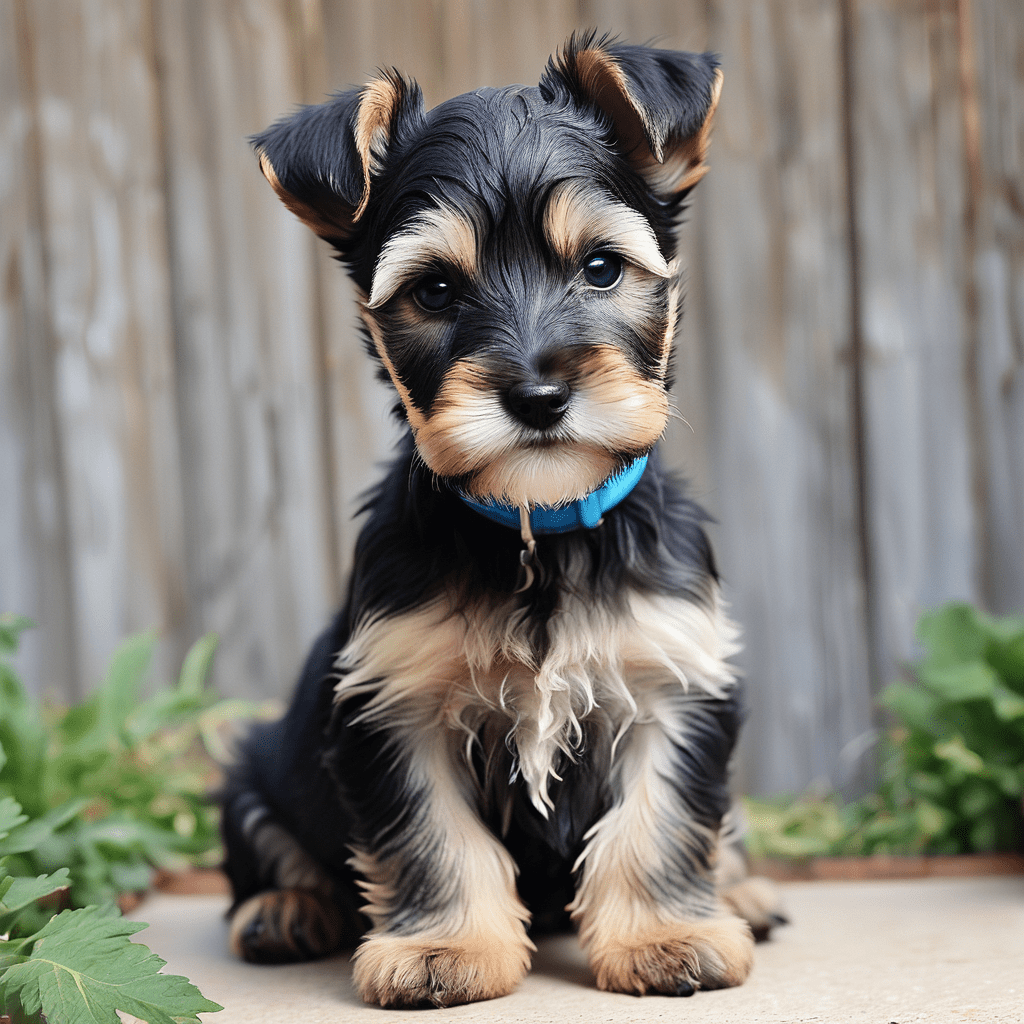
675,414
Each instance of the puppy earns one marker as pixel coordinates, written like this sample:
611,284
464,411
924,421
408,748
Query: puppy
525,709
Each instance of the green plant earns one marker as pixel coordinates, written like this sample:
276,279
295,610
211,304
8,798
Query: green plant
951,772
79,966
117,782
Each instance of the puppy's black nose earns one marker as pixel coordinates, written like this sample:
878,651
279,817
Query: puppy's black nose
538,405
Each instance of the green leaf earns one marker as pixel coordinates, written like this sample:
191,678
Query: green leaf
101,718
26,837
952,634
83,968
1009,705
956,753
10,816
196,666
972,680
24,891
912,705
11,628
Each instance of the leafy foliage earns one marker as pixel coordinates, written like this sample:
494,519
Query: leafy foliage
117,784
952,772
78,967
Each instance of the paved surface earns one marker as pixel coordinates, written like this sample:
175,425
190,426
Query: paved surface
929,950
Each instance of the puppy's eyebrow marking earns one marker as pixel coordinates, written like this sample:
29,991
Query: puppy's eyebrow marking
440,234
580,217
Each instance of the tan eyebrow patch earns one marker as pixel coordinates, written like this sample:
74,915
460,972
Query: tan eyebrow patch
437,235
580,218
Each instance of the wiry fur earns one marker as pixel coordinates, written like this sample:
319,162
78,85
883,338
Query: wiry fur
467,756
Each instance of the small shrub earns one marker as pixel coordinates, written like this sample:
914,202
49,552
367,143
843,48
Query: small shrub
90,799
952,770
118,782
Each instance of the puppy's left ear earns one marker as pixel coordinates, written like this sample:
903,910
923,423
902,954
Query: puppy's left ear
660,104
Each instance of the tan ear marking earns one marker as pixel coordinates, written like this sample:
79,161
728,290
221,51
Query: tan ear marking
603,81
312,218
670,165
377,108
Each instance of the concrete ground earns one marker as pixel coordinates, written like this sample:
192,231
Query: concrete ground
928,950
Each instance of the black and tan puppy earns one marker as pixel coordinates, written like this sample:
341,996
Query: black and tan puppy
525,707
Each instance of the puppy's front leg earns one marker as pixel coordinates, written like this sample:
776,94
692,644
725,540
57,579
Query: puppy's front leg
448,924
647,909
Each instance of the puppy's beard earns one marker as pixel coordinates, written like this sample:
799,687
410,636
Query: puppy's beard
552,475
470,435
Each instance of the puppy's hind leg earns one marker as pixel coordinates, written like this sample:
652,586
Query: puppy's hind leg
754,898
287,907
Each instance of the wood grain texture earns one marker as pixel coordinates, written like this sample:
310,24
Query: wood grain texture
260,554
35,579
998,37
776,288
910,196
188,419
107,292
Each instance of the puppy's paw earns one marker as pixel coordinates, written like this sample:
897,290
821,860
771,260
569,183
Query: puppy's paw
285,925
758,902
678,959
418,971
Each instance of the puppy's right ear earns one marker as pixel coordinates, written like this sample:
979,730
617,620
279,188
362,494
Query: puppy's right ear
322,160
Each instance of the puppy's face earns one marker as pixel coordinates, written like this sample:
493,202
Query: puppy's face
515,253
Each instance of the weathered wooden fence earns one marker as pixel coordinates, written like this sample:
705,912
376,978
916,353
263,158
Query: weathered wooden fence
186,418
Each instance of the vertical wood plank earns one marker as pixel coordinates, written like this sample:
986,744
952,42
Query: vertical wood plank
260,552
998,31
687,443
34,580
907,123
776,288
107,291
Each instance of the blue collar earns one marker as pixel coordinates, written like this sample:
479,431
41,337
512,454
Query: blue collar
582,514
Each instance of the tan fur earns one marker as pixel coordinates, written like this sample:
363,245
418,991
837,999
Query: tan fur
443,234
377,107
758,901
675,301
474,946
441,665
731,867
395,970
671,165
468,430
413,413
293,867
638,938
684,165
618,402
579,218
602,79
713,953
324,226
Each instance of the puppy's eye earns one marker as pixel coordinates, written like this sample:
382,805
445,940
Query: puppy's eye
602,269
434,293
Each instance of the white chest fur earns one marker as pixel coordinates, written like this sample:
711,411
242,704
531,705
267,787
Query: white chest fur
439,667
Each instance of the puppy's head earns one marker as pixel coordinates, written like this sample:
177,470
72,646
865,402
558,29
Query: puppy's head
515,254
